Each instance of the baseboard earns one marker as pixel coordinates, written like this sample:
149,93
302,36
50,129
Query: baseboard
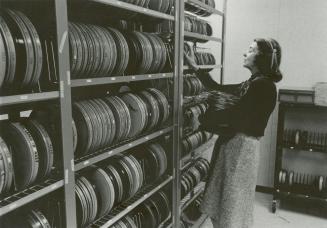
264,189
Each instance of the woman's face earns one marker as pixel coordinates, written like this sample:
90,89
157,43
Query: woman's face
249,56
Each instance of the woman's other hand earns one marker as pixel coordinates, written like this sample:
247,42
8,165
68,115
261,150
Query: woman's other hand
189,57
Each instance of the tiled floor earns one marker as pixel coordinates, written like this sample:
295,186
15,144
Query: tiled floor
283,218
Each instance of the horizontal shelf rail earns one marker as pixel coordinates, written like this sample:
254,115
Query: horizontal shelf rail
302,196
135,8
296,148
85,161
21,198
200,37
120,79
204,6
190,197
28,98
204,67
147,192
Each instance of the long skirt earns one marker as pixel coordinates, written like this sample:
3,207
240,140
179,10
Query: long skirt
230,189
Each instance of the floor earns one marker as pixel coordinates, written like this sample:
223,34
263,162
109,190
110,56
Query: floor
284,218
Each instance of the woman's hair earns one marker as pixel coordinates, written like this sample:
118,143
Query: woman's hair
268,58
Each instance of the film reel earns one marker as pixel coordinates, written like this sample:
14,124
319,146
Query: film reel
22,56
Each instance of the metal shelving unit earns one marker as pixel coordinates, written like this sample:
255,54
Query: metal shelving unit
70,165
188,160
294,100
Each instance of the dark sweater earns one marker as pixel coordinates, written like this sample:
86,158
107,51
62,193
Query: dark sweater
257,101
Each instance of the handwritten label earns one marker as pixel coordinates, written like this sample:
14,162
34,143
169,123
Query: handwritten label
113,79
110,152
88,80
24,97
86,162
133,77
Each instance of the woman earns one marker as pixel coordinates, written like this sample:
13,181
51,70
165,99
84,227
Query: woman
230,189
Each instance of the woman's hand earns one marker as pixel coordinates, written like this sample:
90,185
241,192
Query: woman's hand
189,57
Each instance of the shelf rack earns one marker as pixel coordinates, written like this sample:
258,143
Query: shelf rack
194,37
293,102
65,86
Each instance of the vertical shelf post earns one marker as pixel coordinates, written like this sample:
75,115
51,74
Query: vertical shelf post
223,42
177,113
62,47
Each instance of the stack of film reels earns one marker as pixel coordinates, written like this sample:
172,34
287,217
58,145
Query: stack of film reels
21,53
27,154
27,218
196,25
98,51
191,24
305,140
102,188
219,101
194,175
303,183
197,10
151,213
192,85
200,57
101,123
195,140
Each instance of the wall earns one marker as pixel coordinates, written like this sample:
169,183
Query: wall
300,27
